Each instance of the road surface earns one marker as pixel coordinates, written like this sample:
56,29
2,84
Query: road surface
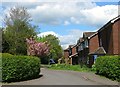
62,77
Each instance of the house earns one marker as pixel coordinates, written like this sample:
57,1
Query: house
83,47
70,55
66,56
74,55
109,36
80,46
94,49
105,41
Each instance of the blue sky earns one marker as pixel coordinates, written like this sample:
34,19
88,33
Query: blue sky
66,20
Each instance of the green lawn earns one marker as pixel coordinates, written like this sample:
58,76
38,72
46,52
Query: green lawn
70,67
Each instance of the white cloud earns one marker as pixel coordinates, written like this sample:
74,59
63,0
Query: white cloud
66,40
66,23
99,15
58,13
47,33
73,13
68,12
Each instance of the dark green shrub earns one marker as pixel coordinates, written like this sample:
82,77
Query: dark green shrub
17,68
108,66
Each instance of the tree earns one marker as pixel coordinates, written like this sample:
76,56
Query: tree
3,41
18,28
35,48
56,51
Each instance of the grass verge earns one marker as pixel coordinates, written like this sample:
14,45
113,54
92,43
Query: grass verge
70,67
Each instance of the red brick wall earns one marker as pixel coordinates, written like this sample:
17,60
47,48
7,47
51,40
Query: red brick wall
93,43
116,37
119,37
74,50
66,53
106,38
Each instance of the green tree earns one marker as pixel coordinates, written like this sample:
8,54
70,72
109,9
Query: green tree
56,51
18,28
4,44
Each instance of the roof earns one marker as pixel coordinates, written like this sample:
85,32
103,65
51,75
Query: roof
100,50
71,46
115,19
92,35
76,54
110,22
88,34
81,39
66,49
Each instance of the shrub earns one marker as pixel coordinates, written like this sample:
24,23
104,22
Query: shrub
108,66
17,68
93,67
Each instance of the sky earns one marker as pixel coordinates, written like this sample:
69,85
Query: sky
66,19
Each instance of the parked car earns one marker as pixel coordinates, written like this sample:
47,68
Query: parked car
51,61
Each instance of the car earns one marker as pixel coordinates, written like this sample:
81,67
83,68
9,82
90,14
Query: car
51,61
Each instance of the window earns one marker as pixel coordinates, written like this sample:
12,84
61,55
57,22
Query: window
86,43
70,51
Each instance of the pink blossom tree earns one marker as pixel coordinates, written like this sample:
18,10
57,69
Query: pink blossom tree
37,48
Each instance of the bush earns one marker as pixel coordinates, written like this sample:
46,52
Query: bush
93,67
17,68
108,66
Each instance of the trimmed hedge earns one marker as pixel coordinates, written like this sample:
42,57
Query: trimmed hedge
17,68
108,66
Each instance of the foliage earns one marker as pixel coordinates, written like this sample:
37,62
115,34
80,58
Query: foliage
69,67
17,68
0,39
37,48
55,47
93,67
18,28
108,66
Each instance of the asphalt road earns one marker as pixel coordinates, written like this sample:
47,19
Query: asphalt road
62,77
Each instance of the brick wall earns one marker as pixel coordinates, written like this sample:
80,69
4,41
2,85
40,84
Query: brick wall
74,50
93,43
106,39
116,37
66,53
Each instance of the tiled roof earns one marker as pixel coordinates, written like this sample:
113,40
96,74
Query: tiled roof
66,49
100,50
74,55
88,34
110,22
81,39
71,45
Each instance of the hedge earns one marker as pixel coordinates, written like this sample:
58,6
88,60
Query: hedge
108,66
17,68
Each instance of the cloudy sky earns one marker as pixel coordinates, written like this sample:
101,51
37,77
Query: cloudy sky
66,19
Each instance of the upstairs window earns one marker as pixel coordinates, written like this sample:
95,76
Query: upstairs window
86,43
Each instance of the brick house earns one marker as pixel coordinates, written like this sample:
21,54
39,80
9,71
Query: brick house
94,49
66,55
70,55
93,44
83,47
74,55
105,41
109,36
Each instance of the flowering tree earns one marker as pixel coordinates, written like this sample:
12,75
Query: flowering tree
37,48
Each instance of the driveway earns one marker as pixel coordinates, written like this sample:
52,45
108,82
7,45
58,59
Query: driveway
62,77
